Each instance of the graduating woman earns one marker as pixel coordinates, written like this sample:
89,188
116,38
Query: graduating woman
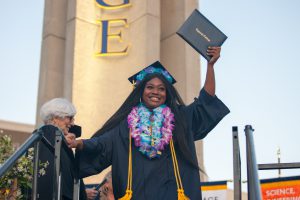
149,141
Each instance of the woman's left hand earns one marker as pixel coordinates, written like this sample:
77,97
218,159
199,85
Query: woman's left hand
215,53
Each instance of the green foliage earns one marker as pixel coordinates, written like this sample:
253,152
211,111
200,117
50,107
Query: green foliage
20,174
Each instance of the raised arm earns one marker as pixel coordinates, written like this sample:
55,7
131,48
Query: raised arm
210,83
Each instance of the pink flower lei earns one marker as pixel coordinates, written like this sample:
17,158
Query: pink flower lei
151,131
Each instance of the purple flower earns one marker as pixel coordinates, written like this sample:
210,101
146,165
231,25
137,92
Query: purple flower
162,125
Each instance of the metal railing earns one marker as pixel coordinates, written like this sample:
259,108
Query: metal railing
272,166
237,181
54,147
20,152
253,181
254,191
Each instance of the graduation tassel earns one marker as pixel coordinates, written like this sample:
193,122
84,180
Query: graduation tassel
181,195
128,193
180,191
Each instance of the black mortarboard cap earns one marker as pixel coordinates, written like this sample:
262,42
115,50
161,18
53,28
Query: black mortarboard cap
155,67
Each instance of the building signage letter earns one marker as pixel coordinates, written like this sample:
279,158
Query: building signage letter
104,5
106,35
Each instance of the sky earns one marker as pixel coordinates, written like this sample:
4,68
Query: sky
257,77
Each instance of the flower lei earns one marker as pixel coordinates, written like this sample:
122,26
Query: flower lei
151,131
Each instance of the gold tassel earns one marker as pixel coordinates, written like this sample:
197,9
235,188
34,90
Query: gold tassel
127,195
181,195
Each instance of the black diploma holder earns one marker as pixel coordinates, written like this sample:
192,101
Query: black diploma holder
200,33
75,129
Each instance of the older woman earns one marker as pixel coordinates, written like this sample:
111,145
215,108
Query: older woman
149,141
60,113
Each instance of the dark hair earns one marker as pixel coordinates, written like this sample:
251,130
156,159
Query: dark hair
173,100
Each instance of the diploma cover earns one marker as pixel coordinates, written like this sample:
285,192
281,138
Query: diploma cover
200,33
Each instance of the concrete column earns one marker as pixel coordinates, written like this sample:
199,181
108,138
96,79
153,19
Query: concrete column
100,84
181,59
51,79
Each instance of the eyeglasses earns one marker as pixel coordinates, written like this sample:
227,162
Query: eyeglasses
71,118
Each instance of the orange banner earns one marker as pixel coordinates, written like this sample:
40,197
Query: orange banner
281,189
214,190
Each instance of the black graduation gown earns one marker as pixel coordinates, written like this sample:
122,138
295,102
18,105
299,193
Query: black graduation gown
152,179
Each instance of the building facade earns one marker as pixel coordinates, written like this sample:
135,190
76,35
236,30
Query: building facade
18,132
91,47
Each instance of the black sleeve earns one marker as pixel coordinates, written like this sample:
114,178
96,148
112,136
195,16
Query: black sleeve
204,114
96,154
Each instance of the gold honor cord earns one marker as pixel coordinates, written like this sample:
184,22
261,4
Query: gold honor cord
133,84
128,193
180,190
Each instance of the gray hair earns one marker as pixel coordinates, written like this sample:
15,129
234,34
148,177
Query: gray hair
57,107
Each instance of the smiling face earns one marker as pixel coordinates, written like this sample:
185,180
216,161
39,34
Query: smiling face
154,93
63,123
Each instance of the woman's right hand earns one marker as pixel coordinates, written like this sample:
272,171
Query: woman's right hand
70,137
77,144
215,53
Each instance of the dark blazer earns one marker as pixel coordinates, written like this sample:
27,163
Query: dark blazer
45,187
